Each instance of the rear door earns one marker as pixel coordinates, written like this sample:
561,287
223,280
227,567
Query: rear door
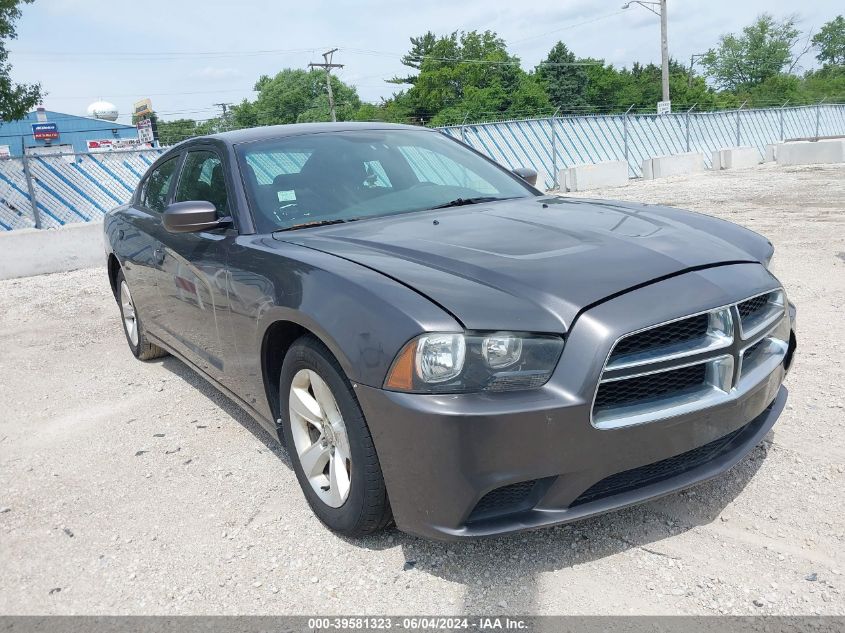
192,278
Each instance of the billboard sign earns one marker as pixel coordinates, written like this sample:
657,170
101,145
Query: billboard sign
45,131
111,144
142,108
145,131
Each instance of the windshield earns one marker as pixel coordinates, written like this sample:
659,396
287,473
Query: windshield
343,176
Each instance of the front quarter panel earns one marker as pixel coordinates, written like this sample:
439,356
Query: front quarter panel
362,316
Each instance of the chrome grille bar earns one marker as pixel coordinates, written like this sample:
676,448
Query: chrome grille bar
742,344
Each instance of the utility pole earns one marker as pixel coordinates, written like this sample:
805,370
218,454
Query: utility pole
692,59
327,65
660,12
225,108
664,48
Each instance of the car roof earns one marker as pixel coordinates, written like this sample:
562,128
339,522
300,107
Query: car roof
296,129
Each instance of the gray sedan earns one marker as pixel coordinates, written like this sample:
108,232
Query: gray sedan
439,344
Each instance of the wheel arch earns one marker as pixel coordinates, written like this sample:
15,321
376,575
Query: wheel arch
277,340
113,267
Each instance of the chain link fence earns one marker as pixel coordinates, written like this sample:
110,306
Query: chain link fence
48,191
551,144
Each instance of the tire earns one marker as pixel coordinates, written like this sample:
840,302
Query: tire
134,330
364,508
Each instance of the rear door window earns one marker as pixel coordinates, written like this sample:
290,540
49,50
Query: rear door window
156,193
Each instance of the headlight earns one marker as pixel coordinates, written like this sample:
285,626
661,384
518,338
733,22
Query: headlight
458,363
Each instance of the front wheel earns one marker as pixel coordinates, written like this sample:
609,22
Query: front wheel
329,442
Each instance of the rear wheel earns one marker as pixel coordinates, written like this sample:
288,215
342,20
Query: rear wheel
329,442
141,348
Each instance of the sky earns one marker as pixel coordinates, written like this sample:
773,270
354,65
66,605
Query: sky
187,55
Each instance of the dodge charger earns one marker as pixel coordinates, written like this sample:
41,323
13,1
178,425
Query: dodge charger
437,343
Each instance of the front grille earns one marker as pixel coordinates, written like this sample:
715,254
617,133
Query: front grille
659,471
662,336
752,306
689,364
505,500
621,393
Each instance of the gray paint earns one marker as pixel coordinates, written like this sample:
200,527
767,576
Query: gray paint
589,270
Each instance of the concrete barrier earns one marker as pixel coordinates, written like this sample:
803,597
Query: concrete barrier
811,152
735,158
28,252
770,153
673,165
612,173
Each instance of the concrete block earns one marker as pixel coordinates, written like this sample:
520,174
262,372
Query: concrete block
812,152
673,165
612,173
27,252
735,158
771,152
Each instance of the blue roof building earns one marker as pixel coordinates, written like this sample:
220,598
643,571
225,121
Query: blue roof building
59,131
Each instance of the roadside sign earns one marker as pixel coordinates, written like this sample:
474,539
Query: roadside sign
111,144
142,108
145,131
664,107
45,131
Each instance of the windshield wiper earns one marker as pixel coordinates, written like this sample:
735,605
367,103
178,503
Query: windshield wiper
459,202
308,225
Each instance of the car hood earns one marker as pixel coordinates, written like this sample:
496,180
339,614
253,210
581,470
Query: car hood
533,264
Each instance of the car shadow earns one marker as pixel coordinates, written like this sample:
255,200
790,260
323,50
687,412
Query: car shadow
503,574
221,400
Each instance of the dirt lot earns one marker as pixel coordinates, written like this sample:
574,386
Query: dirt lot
130,487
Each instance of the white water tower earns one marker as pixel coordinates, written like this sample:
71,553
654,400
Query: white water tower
103,110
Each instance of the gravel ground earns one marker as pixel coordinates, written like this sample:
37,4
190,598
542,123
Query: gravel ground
132,488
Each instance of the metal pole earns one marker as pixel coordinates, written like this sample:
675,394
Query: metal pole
625,133
555,183
781,118
36,214
687,122
463,131
738,123
664,48
818,118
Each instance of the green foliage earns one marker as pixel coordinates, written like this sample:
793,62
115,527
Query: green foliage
15,99
172,132
763,50
830,42
564,79
295,96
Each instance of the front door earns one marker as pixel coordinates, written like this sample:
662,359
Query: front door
192,279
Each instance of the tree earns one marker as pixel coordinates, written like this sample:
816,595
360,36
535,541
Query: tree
294,96
15,99
564,79
830,42
763,49
467,74
421,47
176,131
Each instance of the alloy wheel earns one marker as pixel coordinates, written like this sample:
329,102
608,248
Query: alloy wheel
320,438
130,319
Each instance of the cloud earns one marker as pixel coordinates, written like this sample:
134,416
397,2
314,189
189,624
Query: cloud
214,73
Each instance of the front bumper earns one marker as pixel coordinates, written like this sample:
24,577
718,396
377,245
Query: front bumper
441,454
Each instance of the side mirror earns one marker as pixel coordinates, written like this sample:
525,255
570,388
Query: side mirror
527,174
192,215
